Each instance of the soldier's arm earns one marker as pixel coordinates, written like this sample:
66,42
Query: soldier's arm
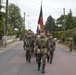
48,45
54,45
36,44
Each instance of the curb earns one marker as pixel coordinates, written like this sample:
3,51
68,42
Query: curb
10,46
66,48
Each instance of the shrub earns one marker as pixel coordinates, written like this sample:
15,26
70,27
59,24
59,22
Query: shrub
58,34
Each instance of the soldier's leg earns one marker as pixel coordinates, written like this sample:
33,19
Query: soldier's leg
33,49
23,45
47,58
36,56
43,62
29,58
70,49
39,61
27,52
51,56
5,44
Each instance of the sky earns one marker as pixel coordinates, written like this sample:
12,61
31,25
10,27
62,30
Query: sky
49,7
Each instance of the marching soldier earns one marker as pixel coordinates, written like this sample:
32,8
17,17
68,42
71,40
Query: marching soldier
37,36
24,41
70,44
47,35
34,37
42,45
29,46
52,45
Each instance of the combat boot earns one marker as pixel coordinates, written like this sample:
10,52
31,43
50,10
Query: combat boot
50,61
38,67
43,69
29,59
26,58
70,50
47,58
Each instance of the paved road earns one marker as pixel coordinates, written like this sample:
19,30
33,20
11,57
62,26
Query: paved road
13,62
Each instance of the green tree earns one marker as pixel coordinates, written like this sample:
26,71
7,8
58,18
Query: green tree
60,22
70,22
0,5
14,17
50,24
2,24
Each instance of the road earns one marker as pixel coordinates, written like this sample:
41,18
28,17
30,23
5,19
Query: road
13,62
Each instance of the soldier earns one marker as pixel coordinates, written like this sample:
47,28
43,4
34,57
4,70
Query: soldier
52,45
29,46
24,41
47,35
4,39
70,44
42,45
37,36
34,36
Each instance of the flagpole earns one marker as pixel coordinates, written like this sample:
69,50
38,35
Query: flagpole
41,2
40,20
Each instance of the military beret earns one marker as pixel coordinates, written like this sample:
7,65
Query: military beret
50,35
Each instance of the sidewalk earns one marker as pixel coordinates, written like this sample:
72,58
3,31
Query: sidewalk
65,47
9,46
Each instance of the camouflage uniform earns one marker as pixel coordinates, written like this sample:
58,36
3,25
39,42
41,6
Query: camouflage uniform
70,46
42,44
29,46
52,49
34,37
47,35
24,42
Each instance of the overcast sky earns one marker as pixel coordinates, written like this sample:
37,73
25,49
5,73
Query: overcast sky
50,7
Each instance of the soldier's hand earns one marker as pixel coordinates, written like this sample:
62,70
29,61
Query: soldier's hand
38,50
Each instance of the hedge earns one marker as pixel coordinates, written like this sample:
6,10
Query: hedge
57,34
70,33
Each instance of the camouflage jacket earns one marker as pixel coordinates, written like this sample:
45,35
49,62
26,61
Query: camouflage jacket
42,44
29,43
52,44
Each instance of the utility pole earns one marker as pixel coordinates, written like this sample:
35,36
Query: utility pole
6,18
24,20
64,19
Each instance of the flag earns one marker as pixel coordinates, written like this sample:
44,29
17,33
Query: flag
37,31
40,20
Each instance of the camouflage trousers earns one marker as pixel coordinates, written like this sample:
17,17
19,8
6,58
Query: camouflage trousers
28,55
51,55
43,58
70,47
